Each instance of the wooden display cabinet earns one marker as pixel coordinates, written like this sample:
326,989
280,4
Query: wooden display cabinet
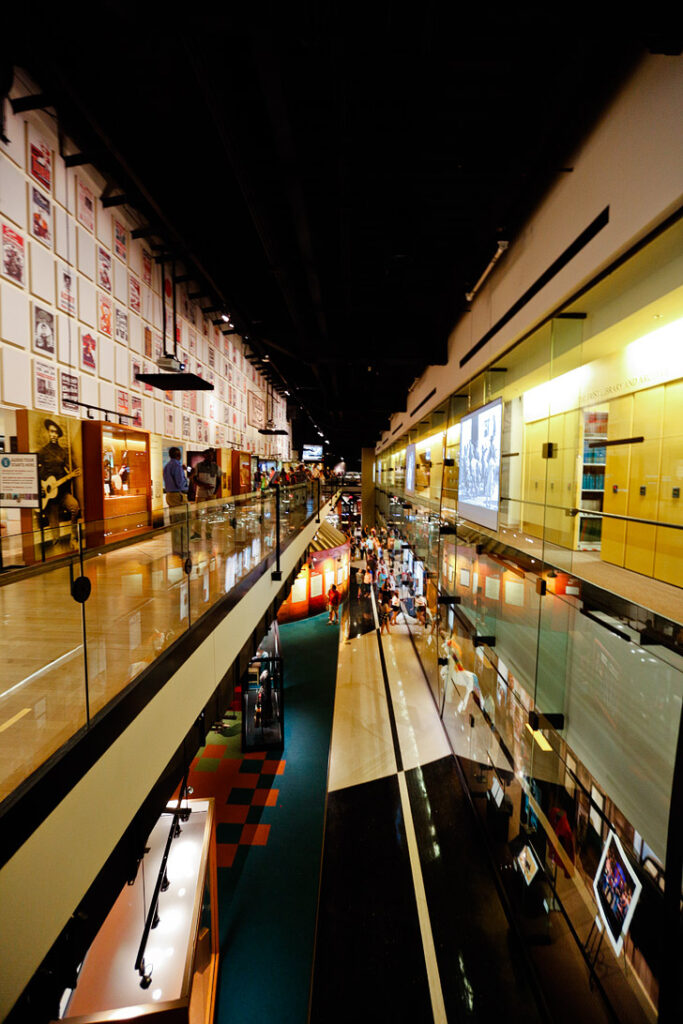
241,472
118,486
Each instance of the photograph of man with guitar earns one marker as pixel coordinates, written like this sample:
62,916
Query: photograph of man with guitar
56,471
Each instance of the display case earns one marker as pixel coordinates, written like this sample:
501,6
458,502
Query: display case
241,472
262,700
155,958
118,486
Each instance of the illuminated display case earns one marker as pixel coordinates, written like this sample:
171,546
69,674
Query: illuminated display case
166,973
241,472
117,481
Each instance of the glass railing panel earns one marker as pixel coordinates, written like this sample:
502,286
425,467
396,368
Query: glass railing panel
141,600
138,606
42,681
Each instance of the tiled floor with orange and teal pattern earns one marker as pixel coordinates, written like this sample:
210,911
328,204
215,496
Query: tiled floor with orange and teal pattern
270,815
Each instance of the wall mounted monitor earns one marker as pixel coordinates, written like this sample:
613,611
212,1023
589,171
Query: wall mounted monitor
312,453
410,468
616,889
479,477
528,864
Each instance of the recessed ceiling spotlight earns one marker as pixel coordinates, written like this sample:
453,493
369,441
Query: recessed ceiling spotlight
225,318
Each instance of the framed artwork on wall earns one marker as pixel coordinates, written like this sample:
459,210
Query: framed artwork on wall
13,255
66,290
104,269
43,330
85,205
88,350
39,160
120,240
104,315
40,216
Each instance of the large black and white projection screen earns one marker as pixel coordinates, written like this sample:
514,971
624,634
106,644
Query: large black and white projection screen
479,478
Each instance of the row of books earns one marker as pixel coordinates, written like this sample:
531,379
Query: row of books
590,531
593,482
594,454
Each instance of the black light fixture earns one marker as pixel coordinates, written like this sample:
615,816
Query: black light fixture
270,430
173,376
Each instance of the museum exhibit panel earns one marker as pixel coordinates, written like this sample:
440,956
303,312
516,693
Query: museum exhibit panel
122,503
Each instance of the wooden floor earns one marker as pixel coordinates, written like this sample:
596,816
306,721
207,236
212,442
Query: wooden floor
141,601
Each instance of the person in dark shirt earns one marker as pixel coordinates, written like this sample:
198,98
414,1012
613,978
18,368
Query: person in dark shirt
175,488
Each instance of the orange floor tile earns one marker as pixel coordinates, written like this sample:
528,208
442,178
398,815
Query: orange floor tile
255,835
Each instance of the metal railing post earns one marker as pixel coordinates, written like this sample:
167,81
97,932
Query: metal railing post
318,515
277,572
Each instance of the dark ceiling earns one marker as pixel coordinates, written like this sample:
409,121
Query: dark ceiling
341,179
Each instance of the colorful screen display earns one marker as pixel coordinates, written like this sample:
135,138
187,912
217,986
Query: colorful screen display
312,453
616,889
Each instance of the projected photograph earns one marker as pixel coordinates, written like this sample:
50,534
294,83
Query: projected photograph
479,479
410,468
616,889
312,453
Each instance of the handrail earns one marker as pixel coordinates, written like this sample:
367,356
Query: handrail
13,575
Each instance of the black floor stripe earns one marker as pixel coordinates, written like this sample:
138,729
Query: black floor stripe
480,972
390,706
369,963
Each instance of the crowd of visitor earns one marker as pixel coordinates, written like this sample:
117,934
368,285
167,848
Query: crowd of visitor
383,569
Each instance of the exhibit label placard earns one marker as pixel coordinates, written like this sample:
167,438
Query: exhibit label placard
19,485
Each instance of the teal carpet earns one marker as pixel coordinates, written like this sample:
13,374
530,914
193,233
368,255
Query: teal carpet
268,898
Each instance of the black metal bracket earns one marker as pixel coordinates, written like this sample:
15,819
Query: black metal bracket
483,641
551,720
449,599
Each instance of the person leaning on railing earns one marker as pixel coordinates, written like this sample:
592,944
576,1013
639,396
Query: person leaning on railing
175,488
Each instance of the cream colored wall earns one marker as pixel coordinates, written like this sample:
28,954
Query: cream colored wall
631,163
48,876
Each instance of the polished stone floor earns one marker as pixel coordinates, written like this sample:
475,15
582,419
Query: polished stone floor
410,924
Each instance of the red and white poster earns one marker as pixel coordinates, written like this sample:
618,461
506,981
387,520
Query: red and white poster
40,161
169,420
13,255
148,342
45,385
104,315
85,205
122,402
134,294
136,409
41,216
120,240
88,350
135,368
146,267
66,293
104,269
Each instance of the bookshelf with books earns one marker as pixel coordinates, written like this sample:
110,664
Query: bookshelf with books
592,479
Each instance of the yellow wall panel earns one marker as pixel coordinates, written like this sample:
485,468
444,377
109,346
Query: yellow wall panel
617,469
535,436
669,543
